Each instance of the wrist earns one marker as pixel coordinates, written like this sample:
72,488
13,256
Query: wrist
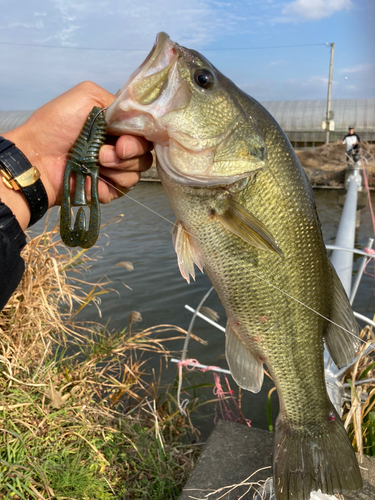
25,142
16,202
21,188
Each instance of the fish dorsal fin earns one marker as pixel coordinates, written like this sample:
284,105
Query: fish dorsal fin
187,253
246,226
341,344
245,367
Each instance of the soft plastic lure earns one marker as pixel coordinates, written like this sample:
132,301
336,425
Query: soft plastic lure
83,162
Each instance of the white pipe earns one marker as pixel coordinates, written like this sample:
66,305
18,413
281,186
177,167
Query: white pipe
343,261
364,318
353,250
219,327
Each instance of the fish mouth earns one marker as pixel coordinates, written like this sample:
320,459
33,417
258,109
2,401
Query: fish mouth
148,95
154,90
193,180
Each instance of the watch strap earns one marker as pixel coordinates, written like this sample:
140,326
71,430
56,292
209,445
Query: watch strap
20,174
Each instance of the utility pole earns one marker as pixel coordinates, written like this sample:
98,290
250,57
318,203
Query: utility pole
328,115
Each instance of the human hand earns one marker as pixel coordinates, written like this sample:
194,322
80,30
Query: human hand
47,136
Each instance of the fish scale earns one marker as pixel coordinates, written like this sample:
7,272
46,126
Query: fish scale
246,214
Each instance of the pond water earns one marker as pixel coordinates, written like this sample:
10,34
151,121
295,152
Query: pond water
159,292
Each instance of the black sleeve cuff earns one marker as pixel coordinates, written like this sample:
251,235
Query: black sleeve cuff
12,266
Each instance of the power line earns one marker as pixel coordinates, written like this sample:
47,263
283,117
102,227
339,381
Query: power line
267,47
70,48
230,49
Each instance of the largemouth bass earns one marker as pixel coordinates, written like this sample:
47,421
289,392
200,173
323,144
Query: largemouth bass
246,215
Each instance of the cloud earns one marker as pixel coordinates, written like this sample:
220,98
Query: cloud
37,25
312,87
130,26
312,10
316,81
35,74
359,68
277,63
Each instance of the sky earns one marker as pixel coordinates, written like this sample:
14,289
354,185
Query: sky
272,49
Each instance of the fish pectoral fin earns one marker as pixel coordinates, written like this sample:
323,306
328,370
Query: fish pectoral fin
246,226
342,343
245,367
187,253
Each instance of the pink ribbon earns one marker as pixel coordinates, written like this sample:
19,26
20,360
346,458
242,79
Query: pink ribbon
226,412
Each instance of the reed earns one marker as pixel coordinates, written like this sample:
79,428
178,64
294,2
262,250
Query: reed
77,418
359,411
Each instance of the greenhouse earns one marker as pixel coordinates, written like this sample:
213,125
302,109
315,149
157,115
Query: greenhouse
300,120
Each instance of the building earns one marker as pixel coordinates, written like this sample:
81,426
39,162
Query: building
300,120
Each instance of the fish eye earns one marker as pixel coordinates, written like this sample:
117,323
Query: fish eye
204,78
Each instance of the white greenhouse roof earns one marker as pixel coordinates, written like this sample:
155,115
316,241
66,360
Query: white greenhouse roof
308,115
298,116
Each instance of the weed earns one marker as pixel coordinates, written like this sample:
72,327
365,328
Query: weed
83,425
359,412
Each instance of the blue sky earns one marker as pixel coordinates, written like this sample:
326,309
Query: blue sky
42,44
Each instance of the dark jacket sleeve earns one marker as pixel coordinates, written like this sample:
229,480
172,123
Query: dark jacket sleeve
12,266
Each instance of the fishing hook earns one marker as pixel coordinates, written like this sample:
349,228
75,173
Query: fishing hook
83,163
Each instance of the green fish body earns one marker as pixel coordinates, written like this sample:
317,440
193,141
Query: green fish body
246,215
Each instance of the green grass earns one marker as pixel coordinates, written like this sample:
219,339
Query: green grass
63,437
84,425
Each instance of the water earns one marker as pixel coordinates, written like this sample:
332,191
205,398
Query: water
159,292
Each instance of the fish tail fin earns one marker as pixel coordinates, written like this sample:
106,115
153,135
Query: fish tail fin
309,461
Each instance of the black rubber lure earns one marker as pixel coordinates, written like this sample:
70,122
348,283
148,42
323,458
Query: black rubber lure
83,161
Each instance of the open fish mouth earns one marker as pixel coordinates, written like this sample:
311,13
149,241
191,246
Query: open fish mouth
160,88
156,82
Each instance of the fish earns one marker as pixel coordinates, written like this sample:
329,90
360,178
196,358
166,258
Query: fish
246,216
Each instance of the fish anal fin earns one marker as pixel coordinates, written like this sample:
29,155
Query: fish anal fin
187,253
246,226
342,343
245,367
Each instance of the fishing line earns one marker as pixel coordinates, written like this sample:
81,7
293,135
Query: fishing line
251,271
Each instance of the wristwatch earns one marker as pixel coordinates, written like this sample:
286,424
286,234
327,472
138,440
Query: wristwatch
19,174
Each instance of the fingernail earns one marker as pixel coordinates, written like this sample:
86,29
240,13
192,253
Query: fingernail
108,157
130,149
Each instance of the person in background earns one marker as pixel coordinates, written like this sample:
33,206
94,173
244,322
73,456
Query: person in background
352,141
42,145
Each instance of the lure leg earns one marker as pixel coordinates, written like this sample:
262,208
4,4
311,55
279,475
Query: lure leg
83,162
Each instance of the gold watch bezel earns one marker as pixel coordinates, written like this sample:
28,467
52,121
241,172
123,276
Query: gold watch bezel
23,180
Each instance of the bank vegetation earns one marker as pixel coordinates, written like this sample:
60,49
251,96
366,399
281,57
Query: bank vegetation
77,419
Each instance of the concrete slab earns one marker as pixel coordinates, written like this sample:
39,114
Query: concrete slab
234,452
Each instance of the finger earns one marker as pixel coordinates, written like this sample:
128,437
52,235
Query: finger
94,94
109,155
121,176
139,164
129,146
109,190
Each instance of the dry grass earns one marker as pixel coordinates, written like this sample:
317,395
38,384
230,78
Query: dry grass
359,412
77,419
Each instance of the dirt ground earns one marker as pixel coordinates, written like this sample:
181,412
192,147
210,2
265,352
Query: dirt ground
325,165
332,154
